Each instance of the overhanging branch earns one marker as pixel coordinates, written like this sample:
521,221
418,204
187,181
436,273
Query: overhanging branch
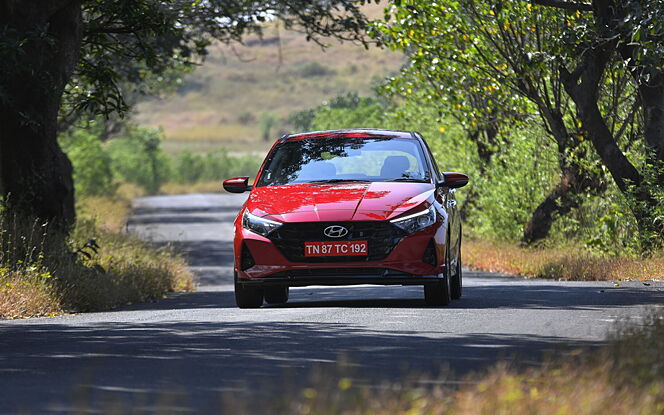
562,4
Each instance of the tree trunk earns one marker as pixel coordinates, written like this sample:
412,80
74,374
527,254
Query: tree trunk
485,139
35,175
560,201
573,179
583,89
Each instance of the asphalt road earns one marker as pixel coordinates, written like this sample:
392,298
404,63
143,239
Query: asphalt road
187,350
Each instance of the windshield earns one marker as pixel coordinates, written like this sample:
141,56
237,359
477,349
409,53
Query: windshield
341,159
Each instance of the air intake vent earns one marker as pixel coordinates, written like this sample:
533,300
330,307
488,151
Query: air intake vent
429,256
246,260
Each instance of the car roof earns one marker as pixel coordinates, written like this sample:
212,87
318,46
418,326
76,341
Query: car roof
351,132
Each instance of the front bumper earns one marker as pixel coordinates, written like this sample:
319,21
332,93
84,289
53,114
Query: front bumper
404,265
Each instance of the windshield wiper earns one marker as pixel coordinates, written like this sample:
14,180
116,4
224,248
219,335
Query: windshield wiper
339,181
408,179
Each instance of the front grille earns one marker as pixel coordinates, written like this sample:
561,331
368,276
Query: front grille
381,238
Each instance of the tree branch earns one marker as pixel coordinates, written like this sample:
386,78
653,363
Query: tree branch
563,4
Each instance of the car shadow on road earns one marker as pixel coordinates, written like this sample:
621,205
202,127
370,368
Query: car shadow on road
516,295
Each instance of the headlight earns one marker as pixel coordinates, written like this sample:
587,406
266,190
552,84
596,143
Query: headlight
417,221
258,225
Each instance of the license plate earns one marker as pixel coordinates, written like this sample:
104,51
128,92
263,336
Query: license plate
335,248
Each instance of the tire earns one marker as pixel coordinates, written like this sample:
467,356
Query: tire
439,293
247,296
276,295
456,283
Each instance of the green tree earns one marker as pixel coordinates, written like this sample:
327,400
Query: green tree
92,165
83,50
349,111
137,158
266,122
460,50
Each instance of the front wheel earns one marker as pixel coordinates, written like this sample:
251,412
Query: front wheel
247,296
438,293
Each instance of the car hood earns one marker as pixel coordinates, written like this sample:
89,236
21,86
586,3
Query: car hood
337,202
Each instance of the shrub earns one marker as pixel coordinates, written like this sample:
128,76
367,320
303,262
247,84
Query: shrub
44,271
188,167
313,69
513,185
215,166
92,165
137,158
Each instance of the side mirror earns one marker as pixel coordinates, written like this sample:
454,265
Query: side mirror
237,184
454,180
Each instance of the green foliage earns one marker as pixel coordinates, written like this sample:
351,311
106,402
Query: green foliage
93,175
653,174
301,120
347,110
215,166
133,48
137,158
490,65
362,113
517,180
266,123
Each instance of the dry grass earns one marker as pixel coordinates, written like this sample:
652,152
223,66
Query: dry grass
571,263
40,276
126,270
108,214
224,100
26,294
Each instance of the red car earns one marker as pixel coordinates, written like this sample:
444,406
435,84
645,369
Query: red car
341,207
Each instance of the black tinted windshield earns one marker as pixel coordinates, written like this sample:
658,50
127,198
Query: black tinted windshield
339,159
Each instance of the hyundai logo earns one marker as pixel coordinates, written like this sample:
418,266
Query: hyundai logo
335,231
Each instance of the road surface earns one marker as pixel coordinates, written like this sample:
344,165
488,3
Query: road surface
185,351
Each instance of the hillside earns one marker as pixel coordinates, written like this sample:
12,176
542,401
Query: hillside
229,99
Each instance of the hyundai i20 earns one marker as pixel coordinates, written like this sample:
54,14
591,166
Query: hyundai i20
343,207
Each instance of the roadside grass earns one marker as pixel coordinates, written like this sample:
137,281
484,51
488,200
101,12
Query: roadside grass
571,263
172,188
97,267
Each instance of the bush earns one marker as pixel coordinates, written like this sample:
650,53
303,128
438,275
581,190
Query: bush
313,69
44,271
93,175
188,167
214,166
137,158
513,185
